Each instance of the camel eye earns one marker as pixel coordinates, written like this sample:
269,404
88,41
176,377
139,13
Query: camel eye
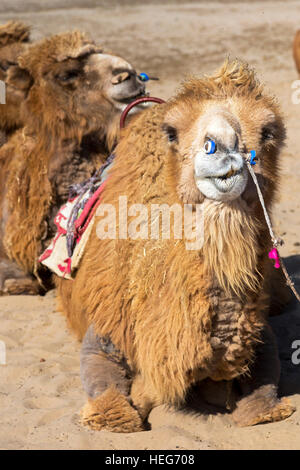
210,146
69,75
171,133
268,133
4,66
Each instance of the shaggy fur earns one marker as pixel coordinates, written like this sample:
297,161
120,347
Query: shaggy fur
112,412
71,126
180,316
14,37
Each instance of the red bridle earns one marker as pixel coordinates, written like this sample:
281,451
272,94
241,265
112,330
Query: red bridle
135,103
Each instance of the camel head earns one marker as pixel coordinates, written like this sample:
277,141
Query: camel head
14,37
212,125
73,86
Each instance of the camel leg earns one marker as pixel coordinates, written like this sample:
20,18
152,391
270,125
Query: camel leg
259,403
106,380
143,398
13,281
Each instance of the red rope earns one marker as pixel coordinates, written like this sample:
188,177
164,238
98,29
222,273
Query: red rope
134,103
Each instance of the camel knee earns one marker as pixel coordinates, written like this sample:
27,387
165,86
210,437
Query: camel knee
106,379
102,366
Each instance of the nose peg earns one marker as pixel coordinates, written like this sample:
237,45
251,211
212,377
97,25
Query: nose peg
145,78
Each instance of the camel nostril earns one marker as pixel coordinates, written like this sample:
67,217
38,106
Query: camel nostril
121,77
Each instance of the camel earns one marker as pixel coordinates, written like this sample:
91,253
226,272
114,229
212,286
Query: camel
76,93
296,50
156,318
14,38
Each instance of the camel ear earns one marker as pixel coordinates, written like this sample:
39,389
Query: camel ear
19,78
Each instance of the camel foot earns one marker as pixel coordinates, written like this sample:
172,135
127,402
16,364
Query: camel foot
24,286
262,406
111,411
13,280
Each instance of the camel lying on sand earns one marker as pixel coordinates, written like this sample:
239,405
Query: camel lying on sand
157,318
75,95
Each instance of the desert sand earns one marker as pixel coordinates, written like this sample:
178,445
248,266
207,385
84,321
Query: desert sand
40,389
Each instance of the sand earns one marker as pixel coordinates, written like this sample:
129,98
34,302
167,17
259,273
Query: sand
40,389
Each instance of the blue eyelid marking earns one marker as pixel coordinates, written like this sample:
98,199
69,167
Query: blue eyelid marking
210,147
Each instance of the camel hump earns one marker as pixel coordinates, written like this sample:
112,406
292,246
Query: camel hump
13,31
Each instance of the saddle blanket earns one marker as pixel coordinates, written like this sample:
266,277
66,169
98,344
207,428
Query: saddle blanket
56,256
74,222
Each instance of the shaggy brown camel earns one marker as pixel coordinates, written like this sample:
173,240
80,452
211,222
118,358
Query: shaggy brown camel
158,318
14,37
76,93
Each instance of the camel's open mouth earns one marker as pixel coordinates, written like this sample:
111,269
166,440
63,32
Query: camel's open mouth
228,175
226,182
131,98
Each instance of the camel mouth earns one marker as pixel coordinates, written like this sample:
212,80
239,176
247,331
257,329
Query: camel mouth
131,98
227,181
231,173
225,184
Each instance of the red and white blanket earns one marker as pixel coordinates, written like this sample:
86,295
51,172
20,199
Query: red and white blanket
56,257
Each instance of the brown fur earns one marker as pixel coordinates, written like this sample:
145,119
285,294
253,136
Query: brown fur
14,37
296,50
112,412
264,400
70,129
13,31
181,316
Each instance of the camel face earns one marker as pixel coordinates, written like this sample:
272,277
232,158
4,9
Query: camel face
211,141
73,81
117,79
97,81
219,167
213,158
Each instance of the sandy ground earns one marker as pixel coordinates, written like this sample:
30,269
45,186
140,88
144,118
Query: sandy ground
40,390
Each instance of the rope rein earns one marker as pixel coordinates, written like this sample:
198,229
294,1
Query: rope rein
274,253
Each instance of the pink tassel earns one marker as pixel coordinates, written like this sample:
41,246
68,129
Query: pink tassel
273,254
